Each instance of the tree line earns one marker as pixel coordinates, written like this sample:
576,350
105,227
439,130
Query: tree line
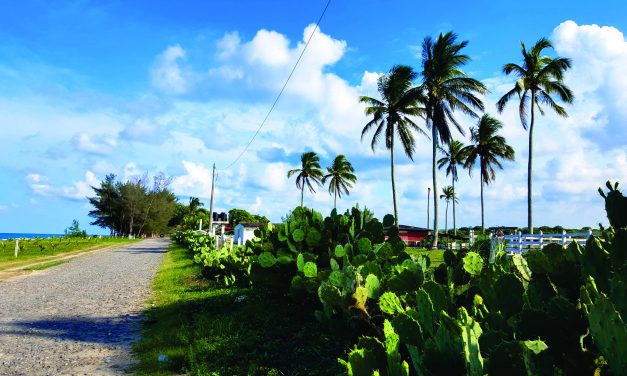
133,208
435,94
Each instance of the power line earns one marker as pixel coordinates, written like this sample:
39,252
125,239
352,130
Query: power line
282,89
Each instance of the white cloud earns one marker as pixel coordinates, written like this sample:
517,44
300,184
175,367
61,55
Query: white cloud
131,171
267,48
103,145
167,75
79,190
228,45
274,177
599,72
257,206
195,182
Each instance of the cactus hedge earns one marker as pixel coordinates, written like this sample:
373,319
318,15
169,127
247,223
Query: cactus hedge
560,310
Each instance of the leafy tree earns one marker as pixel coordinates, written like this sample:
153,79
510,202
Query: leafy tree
74,231
106,204
310,172
538,78
487,147
453,157
392,115
240,215
133,208
340,176
448,89
448,194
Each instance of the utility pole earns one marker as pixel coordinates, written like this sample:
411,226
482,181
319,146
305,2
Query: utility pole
213,183
428,196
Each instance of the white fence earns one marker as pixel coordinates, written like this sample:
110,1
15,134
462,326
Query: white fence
520,242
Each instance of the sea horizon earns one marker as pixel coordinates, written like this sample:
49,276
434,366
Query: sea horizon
24,235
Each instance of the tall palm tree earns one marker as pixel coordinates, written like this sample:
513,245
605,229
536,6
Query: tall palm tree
453,157
538,78
448,194
340,177
448,89
487,147
309,172
392,115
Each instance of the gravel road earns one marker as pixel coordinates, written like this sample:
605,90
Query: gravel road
78,318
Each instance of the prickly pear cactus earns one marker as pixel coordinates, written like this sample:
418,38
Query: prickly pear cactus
473,263
609,334
615,205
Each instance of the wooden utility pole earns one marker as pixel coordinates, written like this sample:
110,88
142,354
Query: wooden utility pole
213,183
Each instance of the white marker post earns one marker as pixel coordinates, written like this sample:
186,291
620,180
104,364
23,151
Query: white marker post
17,246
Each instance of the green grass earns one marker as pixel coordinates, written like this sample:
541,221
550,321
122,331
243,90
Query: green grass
47,265
436,255
202,330
34,250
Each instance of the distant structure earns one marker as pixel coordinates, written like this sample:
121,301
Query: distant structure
413,235
245,231
220,217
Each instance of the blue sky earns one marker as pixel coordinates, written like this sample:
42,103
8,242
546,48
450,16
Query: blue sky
88,88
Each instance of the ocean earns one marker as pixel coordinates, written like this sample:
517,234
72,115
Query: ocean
16,235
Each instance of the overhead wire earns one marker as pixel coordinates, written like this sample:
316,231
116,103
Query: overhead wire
276,100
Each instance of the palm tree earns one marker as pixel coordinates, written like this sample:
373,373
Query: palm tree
448,89
341,178
538,78
392,115
309,172
487,147
194,205
448,194
453,157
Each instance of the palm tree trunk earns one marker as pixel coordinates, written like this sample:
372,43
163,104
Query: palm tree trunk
482,221
393,185
335,201
434,245
302,195
529,170
454,225
446,218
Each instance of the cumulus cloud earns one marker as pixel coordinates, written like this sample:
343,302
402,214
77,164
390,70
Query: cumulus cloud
195,182
78,190
167,74
598,77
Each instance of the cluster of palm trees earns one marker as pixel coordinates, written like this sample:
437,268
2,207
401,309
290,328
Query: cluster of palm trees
446,89
340,176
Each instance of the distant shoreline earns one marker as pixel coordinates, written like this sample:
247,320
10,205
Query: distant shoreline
21,235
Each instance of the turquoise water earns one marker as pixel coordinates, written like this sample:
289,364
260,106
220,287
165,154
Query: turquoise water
15,235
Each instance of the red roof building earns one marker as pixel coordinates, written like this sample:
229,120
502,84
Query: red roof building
413,235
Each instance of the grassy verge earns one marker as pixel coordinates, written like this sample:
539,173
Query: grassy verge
35,250
47,265
436,255
200,327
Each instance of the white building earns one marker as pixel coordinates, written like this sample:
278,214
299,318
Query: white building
245,231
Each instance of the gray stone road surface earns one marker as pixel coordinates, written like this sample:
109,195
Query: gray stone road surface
78,318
